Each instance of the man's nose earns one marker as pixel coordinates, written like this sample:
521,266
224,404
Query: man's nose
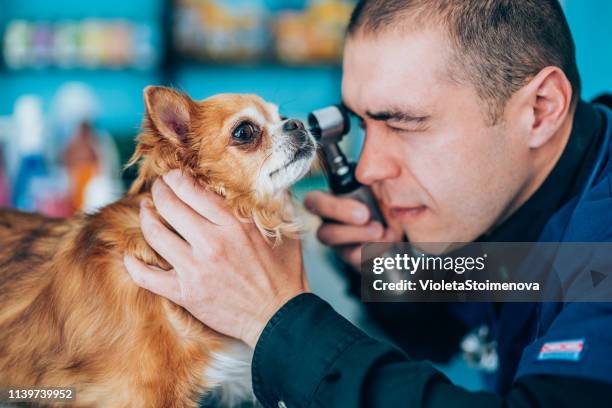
376,163
292,124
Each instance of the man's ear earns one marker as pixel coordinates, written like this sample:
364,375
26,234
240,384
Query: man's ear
548,98
169,111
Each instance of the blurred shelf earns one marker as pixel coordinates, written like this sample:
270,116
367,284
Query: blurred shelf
296,89
77,70
263,63
70,9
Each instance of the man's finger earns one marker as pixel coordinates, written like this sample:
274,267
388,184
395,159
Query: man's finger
207,203
165,242
156,280
391,235
184,219
341,234
339,209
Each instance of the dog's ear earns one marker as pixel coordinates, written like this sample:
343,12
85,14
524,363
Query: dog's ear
169,111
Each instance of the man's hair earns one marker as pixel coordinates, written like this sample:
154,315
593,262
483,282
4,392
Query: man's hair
498,45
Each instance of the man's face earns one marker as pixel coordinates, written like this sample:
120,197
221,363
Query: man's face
439,169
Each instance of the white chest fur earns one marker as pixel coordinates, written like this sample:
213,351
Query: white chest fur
229,375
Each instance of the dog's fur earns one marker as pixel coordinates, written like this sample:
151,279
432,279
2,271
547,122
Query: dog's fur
70,316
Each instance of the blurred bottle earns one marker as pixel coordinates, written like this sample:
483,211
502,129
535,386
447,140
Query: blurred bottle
29,122
106,186
228,30
42,45
82,162
313,35
17,44
66,44
88,155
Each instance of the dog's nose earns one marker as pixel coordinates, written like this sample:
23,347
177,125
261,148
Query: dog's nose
301,137
293,124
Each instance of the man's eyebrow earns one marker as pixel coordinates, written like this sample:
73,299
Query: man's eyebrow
397,115
393,114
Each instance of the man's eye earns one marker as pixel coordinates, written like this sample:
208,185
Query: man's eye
397,130
245,133
405,130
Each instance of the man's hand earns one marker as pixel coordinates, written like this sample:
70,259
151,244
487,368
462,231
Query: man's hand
346,225
224,272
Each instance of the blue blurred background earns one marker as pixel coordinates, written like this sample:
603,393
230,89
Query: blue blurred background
297,87
88,62
107,51
72,75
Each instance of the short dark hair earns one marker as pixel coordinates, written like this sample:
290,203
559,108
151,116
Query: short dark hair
498,44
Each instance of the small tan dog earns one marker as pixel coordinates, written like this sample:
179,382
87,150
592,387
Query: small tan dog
70,316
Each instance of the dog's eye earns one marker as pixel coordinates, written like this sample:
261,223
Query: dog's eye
245,132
